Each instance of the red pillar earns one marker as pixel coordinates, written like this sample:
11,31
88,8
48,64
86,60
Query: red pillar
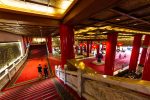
76,49
146,70
98,48
30,39
49,44
81,50
27,40
67,42
87,48
24,42
135,52
144,50
91,47
110,53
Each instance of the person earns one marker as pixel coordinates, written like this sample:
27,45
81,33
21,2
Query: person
119,56
124,55
46,71
40,70
99,57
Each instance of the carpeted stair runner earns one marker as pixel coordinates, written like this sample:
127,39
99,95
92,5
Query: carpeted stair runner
60,89
43,90
49,89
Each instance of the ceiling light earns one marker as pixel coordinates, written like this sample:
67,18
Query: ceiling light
26,6
104,32
65,4
117,19
90,33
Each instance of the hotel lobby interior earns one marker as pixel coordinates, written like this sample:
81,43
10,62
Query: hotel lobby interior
90,49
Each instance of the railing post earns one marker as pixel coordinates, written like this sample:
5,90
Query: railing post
56,70
7,71
65,78
79,86
59,71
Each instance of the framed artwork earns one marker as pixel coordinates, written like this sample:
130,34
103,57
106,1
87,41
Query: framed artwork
8,52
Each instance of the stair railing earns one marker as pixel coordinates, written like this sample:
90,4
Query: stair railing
9,71
93,86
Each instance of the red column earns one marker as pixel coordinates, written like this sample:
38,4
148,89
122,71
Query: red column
146,70
135,52
144,50
98,48
30,39
87,48
91,47
67,42
110,53
49,44
27,40
76,49
24,43
81,50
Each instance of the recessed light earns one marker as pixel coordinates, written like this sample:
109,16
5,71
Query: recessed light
117,19
134,24
104,32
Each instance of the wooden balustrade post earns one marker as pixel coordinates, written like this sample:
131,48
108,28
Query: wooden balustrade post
15,67
79,84
65,78
7,71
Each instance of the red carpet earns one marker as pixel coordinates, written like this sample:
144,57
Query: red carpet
97,68
30,70
37,55
43,90
100,68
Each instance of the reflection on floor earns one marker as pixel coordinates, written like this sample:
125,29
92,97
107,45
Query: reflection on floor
120,62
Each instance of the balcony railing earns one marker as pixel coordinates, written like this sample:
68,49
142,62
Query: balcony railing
94,86
9,71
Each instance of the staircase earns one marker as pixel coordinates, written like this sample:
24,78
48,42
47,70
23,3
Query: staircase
42,90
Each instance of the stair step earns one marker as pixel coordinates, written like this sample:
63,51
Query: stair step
26,91
43,95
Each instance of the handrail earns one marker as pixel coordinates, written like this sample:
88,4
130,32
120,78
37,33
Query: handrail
138,87
13,64
132,84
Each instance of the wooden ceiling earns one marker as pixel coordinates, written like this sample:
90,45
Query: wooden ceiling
128,14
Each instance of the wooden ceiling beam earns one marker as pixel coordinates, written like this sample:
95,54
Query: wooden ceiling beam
82,10
130,16
130,21
139,9
25,19
115,17
39,3
91,39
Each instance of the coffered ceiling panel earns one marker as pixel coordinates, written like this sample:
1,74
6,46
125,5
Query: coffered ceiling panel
50,8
